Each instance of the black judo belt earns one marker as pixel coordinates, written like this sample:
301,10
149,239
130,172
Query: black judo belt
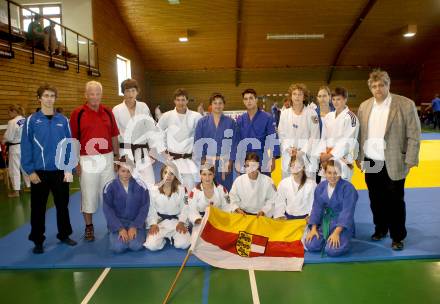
8,144
134,147
168,216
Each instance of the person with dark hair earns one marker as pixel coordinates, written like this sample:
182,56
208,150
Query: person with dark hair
139,136
295,193
299,130
126,202
339,134
35,33
389,141
12,139
332,218
168,213
43,132
179,126
257,132
223,130
206,193
94,126
435,104
253,192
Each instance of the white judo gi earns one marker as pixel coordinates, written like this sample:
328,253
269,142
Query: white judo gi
302,133
139,129
167,212
198,202
179,139
253,196
292,200
12,136
339,136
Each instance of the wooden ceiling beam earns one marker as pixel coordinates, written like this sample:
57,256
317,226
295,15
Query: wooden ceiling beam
350,34
238,59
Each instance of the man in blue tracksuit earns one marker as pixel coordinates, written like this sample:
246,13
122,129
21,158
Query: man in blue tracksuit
45,157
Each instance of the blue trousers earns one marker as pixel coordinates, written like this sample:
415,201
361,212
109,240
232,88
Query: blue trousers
316,245
119,246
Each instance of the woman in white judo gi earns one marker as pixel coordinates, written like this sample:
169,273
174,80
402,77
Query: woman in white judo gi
206,193
294,198
299,130
339,135
253,192
138,133
168,213
12,139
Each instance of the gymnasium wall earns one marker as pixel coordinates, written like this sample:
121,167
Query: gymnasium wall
201,84
430,76
19,79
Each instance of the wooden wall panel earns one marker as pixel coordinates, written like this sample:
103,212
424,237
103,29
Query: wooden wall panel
19,79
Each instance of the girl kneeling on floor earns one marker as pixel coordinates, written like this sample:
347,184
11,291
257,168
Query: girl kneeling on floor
206,193
126,203
332,217
168,213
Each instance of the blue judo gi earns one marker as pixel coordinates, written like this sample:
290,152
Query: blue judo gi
262,129
126,210
337,211
225,136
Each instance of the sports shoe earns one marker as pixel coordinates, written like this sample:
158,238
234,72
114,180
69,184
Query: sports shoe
89,234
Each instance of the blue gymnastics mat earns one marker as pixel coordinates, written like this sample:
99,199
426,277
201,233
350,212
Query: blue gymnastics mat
431,136
423,241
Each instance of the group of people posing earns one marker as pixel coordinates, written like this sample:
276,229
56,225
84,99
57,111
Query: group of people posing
215,160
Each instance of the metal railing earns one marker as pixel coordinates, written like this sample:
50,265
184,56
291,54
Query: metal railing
72,41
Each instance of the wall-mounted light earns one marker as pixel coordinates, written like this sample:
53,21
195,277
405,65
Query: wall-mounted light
410,31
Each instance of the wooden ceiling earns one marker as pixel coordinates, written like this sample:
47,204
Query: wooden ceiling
231,34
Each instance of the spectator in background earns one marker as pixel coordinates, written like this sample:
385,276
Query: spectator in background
12,139
35,33
436,110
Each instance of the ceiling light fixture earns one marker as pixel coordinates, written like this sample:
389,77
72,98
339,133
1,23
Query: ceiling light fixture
294,36
410,31
184,36
173,2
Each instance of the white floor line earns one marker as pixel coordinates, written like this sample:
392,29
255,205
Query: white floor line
96,286
254,288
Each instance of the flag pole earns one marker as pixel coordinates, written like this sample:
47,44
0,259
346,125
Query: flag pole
254,288
173,285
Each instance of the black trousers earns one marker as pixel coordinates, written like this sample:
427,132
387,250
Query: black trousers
436,119
387,202
51,181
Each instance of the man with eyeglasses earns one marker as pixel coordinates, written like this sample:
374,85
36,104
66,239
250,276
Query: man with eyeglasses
44,134
389,141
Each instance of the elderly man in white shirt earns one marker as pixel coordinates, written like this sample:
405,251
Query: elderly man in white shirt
389,141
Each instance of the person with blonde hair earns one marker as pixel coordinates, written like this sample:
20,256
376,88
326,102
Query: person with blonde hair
299,130
168,214
12,139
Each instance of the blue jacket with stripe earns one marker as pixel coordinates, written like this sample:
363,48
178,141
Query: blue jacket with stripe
45,144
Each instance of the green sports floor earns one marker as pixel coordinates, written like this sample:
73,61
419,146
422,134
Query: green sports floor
414,281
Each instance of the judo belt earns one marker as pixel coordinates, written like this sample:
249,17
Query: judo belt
8,144
178,156
134,147
326,220
202,213
168,216
249,213
295,217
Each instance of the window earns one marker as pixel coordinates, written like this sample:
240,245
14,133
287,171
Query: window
124,71
49,11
